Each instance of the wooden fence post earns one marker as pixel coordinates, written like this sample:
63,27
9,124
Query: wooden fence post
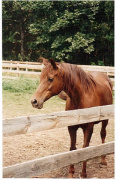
27,65
11,66
18,69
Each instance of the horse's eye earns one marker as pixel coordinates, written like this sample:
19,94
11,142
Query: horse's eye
50,79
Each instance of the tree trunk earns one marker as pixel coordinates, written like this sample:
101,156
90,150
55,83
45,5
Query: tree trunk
22,41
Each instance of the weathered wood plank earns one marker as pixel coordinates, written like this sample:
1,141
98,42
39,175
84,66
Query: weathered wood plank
34,123
83,66
24,66
50,163
98,69
27,62
20,72
40,67
22,62
34,65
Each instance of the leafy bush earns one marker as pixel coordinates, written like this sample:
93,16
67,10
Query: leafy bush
100,63
93,63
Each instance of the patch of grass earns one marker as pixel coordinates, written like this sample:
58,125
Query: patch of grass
20,85
20,75
17,95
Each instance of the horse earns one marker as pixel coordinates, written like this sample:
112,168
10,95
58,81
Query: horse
83,90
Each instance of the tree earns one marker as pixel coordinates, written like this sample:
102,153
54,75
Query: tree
15,29
73,31
104,41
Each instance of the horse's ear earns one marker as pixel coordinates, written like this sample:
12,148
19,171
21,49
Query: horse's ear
45,61
53,64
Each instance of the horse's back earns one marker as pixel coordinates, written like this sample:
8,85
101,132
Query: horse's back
102,78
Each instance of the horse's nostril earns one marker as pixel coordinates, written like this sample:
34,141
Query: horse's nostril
34,101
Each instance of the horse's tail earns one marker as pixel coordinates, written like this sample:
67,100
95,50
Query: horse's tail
62,95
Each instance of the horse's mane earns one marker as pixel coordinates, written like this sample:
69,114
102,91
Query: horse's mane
74,73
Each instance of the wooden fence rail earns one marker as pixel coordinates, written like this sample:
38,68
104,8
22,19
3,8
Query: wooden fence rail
21,62
50,163
25,67
35,123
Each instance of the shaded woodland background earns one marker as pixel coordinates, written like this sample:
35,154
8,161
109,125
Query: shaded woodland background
80,32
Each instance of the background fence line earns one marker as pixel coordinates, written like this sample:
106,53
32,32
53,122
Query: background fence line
25,67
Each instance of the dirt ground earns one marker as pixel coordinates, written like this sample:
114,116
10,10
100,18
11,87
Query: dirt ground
20,148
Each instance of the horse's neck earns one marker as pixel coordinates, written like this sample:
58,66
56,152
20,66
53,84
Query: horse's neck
71,83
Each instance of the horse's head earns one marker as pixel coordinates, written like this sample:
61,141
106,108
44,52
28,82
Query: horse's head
51,84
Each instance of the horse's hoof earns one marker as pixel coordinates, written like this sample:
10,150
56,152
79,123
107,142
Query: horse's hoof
83,175
103,160
104,163
70,176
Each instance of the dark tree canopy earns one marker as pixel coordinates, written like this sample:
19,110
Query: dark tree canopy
79,32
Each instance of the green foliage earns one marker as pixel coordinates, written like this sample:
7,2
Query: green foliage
92,63
73,31
20,85
100,63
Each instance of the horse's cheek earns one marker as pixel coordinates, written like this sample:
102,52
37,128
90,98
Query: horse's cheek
57,89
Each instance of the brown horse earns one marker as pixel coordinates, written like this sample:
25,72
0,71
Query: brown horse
84,90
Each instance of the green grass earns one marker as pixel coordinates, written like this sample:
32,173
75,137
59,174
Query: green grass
21,85
16,98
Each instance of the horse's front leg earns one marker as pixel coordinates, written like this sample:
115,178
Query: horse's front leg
72,131
87,130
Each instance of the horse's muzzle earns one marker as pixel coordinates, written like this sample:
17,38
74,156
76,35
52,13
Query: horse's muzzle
35,104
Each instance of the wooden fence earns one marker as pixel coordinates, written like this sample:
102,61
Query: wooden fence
22,67
35,68
23,125
50,163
